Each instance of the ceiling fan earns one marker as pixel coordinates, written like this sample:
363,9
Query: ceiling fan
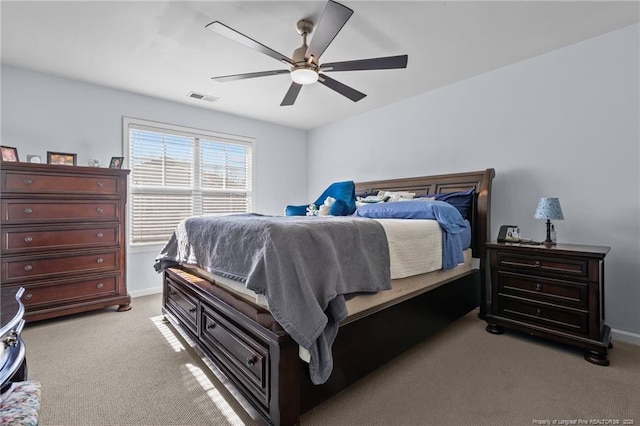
305,65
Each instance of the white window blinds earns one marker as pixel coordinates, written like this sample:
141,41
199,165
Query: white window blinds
178,172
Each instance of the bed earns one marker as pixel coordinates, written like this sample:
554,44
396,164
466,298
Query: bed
260,363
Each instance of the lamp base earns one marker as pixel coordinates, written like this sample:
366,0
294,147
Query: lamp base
549,241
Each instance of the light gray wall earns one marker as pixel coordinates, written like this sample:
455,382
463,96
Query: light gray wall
563,124
43,113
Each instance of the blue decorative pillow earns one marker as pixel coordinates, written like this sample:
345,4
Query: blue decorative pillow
461,200
447,215
343,192
295,210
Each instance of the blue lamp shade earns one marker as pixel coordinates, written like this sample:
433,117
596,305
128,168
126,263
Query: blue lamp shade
549,208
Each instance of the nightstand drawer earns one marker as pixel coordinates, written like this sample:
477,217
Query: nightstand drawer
565,293
542,265
557,318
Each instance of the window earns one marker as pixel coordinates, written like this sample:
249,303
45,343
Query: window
178,172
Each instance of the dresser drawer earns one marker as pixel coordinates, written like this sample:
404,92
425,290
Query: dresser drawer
546,266
19,268
561,292
50,293
183,305
557,318
244,355
21,240
39,211
43,183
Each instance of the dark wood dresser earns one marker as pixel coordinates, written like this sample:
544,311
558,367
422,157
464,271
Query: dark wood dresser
555,292
63,237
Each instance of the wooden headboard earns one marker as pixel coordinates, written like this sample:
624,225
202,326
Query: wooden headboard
479,215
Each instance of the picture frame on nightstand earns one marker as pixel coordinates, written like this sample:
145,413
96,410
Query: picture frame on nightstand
509,234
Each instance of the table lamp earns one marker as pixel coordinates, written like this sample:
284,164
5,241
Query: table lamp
549,208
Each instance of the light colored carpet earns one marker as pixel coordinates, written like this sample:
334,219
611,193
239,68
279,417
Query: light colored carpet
128,368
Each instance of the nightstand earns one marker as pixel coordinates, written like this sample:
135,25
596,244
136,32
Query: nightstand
555,292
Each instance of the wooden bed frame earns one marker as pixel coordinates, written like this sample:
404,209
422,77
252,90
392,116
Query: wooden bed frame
258,361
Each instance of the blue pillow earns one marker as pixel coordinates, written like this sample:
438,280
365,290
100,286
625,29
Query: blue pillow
447,215
343,192
461,200
296,210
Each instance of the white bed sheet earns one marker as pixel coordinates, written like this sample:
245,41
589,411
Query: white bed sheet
415,246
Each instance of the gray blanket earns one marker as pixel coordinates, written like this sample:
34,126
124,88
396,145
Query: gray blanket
303,265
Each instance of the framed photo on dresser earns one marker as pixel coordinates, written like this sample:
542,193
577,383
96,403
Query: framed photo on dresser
9,153
62,158
116,162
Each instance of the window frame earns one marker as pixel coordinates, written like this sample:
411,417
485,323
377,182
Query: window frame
195,188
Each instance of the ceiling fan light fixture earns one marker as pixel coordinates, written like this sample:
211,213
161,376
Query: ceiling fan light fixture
304,75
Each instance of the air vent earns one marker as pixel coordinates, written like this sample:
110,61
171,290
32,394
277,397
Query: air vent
203,97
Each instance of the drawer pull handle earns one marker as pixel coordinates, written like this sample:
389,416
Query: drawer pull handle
100,210
28,296
100,184
99,235
100,260
28,239
192,310
539,287
538,312
537,264
28,267
28,181
99,285
251,361
28,210
211,326
172,293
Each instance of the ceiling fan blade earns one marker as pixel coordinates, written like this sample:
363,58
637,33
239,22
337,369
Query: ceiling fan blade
234,35
331,22
292,94
386,63
343,89
245,76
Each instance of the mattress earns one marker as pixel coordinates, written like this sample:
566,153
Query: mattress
415,248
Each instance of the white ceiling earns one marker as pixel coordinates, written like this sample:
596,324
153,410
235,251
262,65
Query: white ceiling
162,49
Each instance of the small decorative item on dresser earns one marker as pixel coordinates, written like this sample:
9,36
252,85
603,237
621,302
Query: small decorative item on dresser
116,162
31,158
9,153
62,158
549,208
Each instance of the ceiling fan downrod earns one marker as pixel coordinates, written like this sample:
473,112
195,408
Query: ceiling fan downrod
305,70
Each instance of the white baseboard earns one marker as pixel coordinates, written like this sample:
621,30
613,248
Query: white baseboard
625,336
145,292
